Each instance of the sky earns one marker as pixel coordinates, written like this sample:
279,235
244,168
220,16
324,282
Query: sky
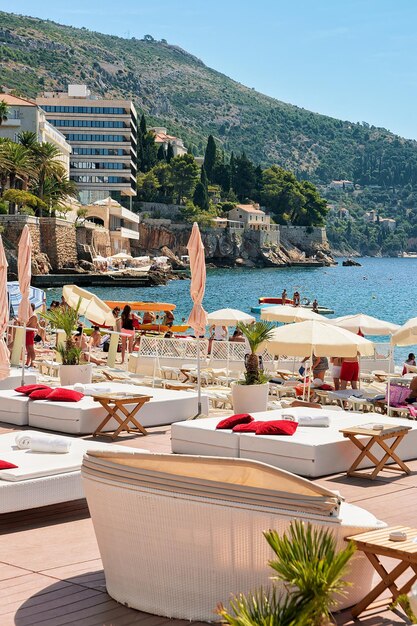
352,59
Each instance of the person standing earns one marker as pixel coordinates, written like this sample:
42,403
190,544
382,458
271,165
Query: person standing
128,332
296,298
315,306
284,297
32,330
349,372
336,369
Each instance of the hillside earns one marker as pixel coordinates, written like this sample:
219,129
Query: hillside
176,89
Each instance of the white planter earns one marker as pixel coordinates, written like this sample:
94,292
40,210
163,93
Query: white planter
71,374
250,398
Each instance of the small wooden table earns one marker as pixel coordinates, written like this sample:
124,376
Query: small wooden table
376,437
376,543
115,407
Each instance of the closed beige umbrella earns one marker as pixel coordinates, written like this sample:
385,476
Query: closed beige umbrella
24,269
288,314
4,316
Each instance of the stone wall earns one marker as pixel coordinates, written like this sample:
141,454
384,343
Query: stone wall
53,241
304,237
96,238
157,209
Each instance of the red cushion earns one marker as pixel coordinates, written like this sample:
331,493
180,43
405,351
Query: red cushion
40,394
27,389
246,428
326,387
234,420
65,395
277,427
6,465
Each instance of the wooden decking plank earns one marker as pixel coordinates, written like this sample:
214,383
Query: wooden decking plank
70,614
119,615
8,572
53,601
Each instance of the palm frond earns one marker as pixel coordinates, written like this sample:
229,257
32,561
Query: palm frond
256,333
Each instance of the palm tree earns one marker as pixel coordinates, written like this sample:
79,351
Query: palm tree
29,139
256,334
46,157
311,568
18,165
56,191
4,112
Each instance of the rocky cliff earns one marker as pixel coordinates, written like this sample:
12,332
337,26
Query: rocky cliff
229,247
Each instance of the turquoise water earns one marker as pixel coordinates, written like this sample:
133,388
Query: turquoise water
384,288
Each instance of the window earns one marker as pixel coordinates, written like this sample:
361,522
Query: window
100,151
109,138
88,123
99,179
49,108
91,165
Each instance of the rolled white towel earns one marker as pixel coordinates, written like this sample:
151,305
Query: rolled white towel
38,442
91,390
320,421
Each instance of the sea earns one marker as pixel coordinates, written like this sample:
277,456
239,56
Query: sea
383,287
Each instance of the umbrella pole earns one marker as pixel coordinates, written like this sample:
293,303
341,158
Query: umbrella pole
198,382
23,355
389,380
311,375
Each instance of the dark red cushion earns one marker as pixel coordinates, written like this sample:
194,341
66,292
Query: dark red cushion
6,465
246,428
40,394
277,427
234,420
27,389
326,387
65,395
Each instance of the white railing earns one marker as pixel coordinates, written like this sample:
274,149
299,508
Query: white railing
181,349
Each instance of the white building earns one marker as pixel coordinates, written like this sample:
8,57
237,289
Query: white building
26,115
249,216
163,139
341,185
122,224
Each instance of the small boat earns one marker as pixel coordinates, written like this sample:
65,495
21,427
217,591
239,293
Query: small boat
264,300
305,302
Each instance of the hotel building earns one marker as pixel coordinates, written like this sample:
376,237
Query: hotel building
103,137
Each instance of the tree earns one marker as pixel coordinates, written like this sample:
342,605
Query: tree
4,112
163,172
203,178
200,197
210,157
147,186
46,158
161,155
244,177
170,153
184,176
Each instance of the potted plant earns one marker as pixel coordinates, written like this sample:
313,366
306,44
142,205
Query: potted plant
71,371
251,394
312,570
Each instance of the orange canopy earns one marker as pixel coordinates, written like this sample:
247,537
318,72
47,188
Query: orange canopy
142,306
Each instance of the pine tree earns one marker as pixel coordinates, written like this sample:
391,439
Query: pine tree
170,153
161,156
200,197
142,125
210,157
203,178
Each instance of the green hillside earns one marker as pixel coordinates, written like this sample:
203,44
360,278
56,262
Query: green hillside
175,89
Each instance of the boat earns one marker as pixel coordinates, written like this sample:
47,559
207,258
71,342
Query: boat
305,302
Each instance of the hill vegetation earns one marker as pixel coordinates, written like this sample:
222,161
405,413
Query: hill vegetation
175,89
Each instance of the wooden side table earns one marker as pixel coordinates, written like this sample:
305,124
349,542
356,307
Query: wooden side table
115,407
375,544
376,437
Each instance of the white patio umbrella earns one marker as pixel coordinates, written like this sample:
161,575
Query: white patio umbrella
288,314
406,335
367,324
89,305
121,255
320,338
229,317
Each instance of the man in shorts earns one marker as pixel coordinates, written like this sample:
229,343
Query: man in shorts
349,372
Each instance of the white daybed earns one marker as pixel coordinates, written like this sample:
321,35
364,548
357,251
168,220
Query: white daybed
40,478
83,417
179,534
311,451
15,378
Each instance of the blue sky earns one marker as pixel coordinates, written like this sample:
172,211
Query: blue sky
353,59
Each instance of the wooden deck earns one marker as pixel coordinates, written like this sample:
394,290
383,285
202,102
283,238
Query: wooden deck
51,573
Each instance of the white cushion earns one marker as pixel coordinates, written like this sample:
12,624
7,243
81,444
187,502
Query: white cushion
32,465
14,407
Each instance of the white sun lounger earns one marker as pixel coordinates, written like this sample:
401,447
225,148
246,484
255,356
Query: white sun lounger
179,534
40,478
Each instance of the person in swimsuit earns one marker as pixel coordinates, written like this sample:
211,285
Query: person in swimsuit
284,297
32,325
349,372
336,369
127,330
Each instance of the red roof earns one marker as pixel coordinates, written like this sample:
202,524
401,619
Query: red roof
14,100
249,208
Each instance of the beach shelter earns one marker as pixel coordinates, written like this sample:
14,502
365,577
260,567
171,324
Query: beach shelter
37,296
198,317
288,314
322,339
90,305
366,324
4,316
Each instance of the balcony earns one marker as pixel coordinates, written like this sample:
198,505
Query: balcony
125,233
11,122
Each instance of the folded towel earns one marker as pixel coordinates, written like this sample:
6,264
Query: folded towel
37,442
314,420
90,390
